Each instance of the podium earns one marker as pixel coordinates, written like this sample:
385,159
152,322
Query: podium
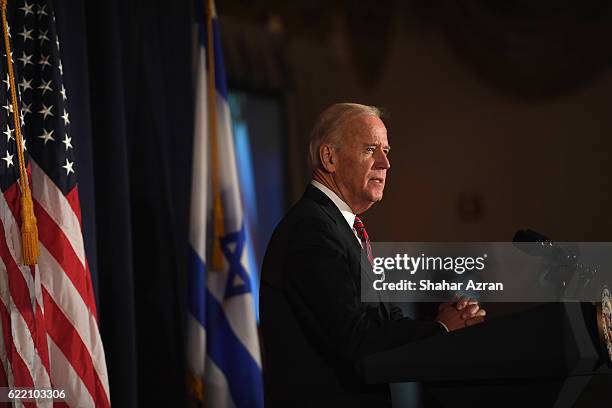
546,356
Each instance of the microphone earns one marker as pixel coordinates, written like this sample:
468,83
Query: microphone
562,259
566,255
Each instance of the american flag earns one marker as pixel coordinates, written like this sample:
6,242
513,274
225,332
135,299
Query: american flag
49,332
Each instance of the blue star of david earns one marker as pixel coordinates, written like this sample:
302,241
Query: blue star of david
236,270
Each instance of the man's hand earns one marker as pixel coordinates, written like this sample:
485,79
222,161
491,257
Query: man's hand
473,314
462,313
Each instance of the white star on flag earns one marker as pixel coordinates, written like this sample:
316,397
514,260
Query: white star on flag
67,141
25,59
46,136
65,117
41,11
25,85
26,34
42,36
45,86
44,61
27,8
68,167
9,133
8,159
46,111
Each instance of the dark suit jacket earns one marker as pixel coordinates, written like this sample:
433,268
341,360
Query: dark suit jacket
314,325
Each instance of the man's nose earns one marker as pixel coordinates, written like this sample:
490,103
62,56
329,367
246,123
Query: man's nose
382,161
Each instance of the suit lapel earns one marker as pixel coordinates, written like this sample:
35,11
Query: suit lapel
334,213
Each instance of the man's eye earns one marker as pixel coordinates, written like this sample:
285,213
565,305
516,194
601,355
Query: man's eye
371,149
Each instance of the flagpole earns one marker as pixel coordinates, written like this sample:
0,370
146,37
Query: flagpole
217,257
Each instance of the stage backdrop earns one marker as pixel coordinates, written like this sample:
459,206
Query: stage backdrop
128,73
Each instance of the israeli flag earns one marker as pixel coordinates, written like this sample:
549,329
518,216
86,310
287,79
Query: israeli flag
224,357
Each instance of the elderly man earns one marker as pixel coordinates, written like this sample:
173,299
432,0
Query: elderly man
314,325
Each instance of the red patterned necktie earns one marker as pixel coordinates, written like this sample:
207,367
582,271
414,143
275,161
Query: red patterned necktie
363,237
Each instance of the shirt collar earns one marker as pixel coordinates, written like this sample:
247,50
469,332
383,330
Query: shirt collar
342,206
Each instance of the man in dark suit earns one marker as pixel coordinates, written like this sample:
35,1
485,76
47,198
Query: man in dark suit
314,325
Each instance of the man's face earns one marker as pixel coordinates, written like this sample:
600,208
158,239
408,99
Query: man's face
362,162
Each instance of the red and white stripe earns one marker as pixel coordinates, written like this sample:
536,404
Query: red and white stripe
48,313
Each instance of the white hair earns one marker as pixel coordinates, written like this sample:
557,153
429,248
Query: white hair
327,128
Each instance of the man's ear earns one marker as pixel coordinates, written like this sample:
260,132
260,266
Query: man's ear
327,155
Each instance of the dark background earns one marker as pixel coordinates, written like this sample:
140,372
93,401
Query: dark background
498,115
128,76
